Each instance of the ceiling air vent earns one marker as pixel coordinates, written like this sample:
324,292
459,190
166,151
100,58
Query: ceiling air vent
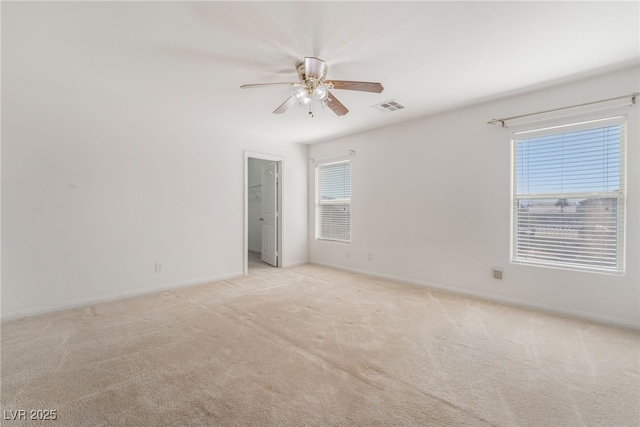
391,105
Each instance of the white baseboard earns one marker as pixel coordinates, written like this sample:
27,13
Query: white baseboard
115,296
598,318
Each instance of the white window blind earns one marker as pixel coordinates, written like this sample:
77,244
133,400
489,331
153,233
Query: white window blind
333,201
569,196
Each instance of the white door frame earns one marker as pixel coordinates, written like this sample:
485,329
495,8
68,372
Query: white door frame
280,161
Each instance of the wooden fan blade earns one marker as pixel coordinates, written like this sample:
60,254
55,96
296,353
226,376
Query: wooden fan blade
314,67
336,106
285,105
251,86
361,86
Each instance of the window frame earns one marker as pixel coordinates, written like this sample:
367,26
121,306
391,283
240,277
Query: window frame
342,201
557,127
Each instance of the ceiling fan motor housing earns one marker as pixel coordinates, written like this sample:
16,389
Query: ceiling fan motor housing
312,72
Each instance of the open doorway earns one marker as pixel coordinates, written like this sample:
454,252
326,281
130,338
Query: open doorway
263,211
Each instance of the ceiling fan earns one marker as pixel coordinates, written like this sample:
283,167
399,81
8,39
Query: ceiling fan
312,85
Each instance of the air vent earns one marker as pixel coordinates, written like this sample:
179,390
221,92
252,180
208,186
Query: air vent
387,106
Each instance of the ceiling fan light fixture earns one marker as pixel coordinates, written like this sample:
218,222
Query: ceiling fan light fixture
300,94
321,93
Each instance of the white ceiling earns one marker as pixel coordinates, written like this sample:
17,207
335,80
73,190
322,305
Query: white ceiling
191,58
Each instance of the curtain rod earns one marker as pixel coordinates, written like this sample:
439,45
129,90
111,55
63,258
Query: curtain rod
633,97
351,153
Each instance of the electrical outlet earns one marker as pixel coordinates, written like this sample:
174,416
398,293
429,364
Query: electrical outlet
369,256
497,273
159,268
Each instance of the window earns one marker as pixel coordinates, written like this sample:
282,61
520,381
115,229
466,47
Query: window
569,195
333,201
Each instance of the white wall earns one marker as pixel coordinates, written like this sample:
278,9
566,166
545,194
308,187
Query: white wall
431,201
94,194
254,208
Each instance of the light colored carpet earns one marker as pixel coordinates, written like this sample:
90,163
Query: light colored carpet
313,346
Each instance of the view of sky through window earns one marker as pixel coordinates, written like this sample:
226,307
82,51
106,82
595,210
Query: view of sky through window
573,162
